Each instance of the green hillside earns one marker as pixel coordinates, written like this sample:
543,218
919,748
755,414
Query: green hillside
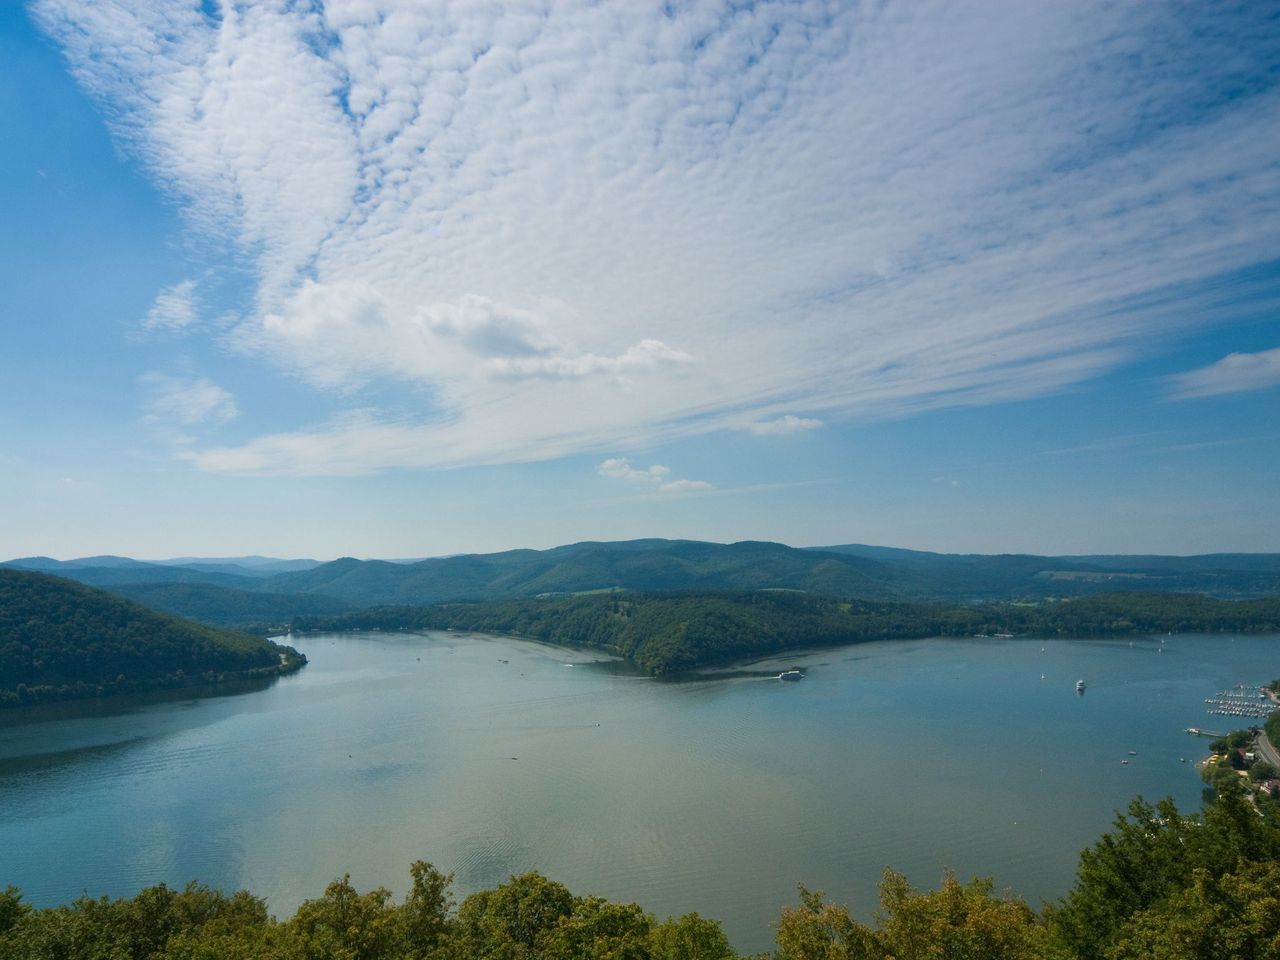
651,565
227,607
62,640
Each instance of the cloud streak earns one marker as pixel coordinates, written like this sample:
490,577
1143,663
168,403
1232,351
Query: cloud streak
789,423
581,226
1234,373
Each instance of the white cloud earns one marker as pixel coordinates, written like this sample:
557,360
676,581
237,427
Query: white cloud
186,402
175,308
655,476
645,355
620,468
1234,373
784,424
586,225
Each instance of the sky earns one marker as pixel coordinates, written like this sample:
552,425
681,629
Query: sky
404,278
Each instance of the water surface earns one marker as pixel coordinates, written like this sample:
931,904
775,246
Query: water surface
490,756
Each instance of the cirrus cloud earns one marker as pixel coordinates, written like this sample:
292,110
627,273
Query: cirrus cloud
588,224
789,423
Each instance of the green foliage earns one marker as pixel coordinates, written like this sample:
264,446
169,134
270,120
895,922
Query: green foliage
12,909
817,930
147,926
225,606
689,938
1260,770
61,640
960,920
1272,727
1215,917
347,925
509,922
1153,855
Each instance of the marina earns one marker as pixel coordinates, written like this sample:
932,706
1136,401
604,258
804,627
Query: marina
1240,702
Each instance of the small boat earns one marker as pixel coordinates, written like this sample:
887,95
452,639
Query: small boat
791,675
1079,686
1125,762
1133,753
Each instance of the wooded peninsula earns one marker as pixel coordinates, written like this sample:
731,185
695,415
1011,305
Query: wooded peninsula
666,633
60,640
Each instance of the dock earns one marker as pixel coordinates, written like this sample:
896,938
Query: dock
1197,732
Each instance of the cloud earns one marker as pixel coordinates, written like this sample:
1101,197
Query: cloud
784,424
1234,373
620,468
581,226
645,355
175,308
186,402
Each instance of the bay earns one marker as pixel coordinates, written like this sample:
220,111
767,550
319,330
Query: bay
718,793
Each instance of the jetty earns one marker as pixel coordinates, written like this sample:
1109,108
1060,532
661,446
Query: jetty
1197,732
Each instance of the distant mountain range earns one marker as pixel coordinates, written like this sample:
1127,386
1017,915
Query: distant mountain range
263,591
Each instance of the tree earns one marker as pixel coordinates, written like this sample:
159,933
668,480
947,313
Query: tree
598,930
817,930
425,914
689,938
1215,918
12,909
347,925
507,923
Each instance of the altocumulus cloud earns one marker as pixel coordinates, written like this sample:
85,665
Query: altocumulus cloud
592,224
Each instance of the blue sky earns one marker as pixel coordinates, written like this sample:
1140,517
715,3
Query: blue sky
399,279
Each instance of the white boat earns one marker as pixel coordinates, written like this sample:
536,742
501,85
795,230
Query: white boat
791,675
1079,686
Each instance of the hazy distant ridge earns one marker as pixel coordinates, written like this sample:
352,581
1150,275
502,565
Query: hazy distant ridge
217,590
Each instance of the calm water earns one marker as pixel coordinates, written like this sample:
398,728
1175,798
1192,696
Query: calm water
715,795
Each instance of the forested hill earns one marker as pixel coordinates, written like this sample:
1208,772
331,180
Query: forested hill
217,591
62,640
666,633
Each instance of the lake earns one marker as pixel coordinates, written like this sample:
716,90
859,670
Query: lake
489,756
